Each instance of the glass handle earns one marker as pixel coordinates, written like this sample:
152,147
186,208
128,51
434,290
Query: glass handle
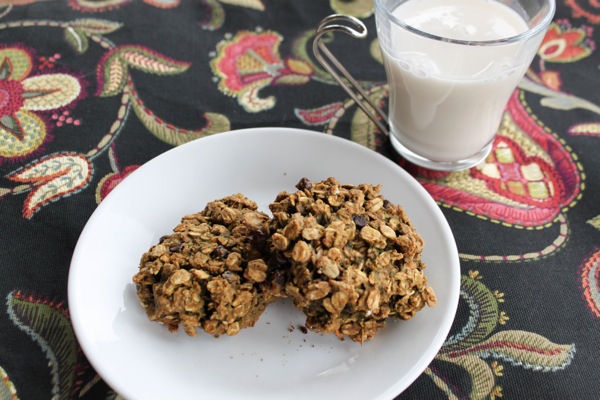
355,28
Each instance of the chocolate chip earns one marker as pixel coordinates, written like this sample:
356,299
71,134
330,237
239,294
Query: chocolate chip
258,239
360,220
279,262
304,184
176,248
220,252
279,277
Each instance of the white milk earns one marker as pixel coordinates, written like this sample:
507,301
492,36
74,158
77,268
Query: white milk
446,100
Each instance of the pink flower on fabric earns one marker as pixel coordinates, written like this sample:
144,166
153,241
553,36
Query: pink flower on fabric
249,62
25,98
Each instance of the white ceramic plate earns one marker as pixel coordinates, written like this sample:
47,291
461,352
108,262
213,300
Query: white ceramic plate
275,359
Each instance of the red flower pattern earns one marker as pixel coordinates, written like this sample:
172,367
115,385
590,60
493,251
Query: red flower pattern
563,43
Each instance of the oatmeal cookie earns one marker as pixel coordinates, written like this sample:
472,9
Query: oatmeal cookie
208,273
353,258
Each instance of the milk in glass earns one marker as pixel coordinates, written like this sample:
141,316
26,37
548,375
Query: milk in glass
447,99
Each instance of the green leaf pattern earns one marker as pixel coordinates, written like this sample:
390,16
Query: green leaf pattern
476,344
113,74
49,326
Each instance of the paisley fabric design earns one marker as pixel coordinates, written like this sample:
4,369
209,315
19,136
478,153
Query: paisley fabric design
25,98
249,62
53,177
32,103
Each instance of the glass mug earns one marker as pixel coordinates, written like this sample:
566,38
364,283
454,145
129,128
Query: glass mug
451,66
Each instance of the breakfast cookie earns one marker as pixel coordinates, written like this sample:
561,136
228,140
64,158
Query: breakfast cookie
352,258
208,273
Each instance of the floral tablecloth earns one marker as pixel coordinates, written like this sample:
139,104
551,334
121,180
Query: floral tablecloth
92,89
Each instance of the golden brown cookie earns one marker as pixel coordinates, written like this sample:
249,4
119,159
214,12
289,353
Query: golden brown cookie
352,258
208,272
